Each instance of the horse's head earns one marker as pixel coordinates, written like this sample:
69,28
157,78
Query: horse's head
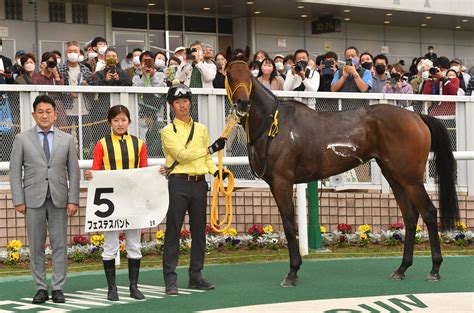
238,81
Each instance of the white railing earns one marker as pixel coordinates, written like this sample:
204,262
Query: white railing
211,111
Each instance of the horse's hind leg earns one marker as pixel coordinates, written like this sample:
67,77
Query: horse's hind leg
283,193
410,217
421,200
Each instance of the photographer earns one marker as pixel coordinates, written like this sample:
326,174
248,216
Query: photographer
352,77
48,74
379,77
301,77
196,74
437,74
149,76
111,75
328,67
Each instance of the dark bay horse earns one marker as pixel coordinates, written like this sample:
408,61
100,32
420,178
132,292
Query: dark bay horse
313,145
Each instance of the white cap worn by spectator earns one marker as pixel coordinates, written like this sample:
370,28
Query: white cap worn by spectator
180,48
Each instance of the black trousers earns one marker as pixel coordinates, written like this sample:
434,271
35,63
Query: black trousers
191,197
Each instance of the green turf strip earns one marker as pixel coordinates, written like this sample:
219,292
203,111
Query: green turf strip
258,283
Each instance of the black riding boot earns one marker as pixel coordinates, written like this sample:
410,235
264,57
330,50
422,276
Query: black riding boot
109,268
133,272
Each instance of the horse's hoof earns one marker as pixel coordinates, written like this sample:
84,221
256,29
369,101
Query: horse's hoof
288,282
433,277
397,276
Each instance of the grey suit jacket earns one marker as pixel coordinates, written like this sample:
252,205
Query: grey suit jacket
27,156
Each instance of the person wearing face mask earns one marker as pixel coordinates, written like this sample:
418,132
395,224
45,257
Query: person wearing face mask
422,68
431,55
221,61
366,61
328,68
301,77
149,76
160,61
379,77
433,85
136,68
279,66
75,74
29,65
352,77
58,56
288,64
90,59
268,76
99,47
464,78
197,73
254,67
170,71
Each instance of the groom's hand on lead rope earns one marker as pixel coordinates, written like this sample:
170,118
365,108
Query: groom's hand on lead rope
224,174
219,144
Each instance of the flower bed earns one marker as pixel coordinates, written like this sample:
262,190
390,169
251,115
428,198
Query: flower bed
257,237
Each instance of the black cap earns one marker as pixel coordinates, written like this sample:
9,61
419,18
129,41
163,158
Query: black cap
178,91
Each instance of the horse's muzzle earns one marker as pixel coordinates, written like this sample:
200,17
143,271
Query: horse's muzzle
242,107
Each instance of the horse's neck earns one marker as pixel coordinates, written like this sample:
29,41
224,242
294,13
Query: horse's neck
263,102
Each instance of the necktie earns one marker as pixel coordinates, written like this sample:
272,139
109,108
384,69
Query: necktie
46,145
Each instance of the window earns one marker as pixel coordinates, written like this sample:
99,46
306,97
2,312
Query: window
13,9
79,13
57,12
200,24
134,20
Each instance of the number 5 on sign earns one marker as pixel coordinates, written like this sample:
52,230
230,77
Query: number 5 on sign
126,199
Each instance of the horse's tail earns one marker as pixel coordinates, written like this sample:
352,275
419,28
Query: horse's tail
445,171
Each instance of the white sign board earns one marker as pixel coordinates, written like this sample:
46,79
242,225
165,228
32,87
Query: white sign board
384,50
281,43
126,199
3,32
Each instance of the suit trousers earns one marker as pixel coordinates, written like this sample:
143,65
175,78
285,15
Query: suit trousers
191,197
38,221
112,244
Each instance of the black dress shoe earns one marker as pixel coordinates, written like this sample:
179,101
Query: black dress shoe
58,296
171,289
201,284
41,296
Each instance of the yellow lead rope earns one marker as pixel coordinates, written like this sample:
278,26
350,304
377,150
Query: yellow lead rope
219,185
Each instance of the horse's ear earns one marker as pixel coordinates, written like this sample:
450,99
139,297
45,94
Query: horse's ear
228,53
247,53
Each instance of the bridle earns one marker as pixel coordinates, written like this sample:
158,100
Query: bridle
229,90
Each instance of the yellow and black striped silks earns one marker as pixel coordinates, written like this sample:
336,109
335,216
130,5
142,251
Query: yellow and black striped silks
121,152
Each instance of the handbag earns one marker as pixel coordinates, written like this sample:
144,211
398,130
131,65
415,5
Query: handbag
6,119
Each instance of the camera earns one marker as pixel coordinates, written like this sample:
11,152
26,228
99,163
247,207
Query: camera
394,79
349,62
51,64
301,66
189,53
433,70
112,70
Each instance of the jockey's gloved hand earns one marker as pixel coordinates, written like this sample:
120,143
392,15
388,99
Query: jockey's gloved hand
219,144
224,174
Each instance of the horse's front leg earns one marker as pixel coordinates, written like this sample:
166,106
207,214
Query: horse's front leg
282,190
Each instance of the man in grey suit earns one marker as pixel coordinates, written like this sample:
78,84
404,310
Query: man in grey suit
46,156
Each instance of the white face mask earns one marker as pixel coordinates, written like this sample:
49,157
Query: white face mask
255,73
159,63
279,66
92,55
142,123
425,75
80,58
58,60
102,50
30,67
456,68
287,67
136,60
73,57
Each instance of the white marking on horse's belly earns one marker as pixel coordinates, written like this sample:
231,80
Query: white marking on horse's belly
292,136
344,150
